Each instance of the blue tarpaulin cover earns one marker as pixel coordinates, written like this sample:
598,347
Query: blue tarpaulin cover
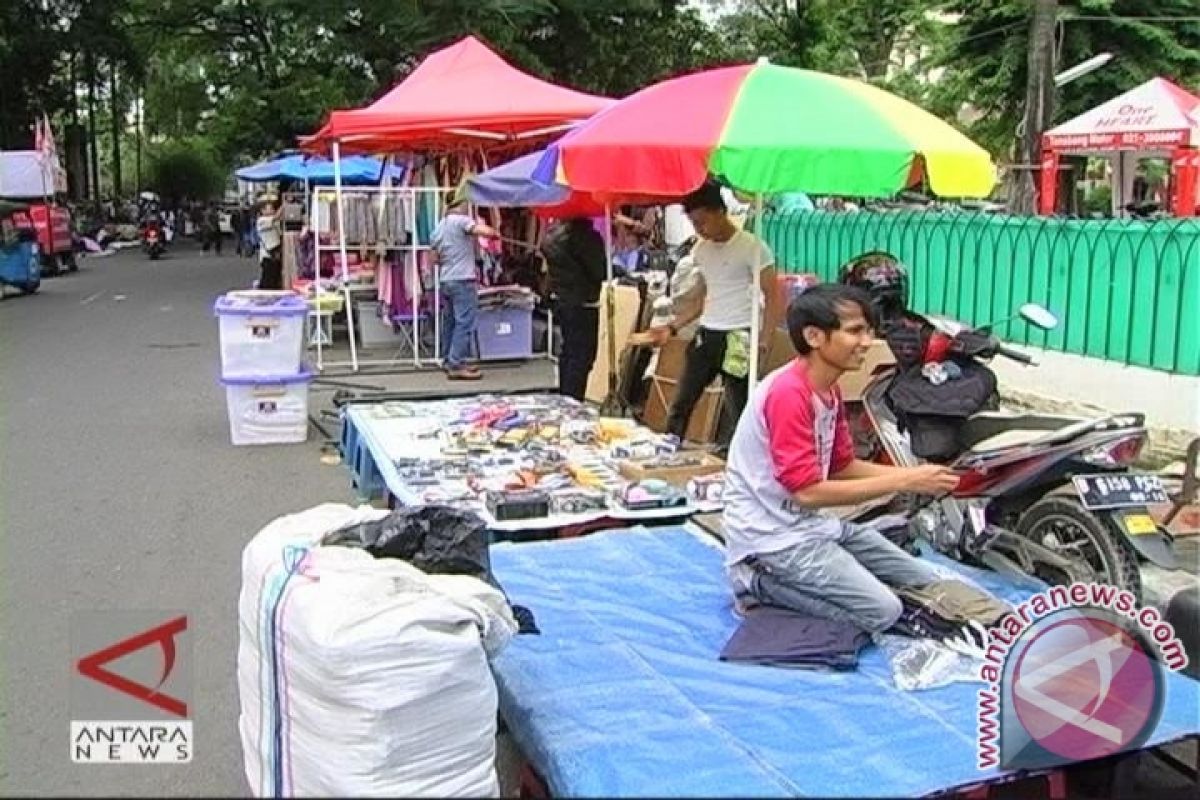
623,693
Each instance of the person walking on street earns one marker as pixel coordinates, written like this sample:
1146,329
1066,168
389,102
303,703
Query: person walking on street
574,253
212,229
725,259
270,249
454,254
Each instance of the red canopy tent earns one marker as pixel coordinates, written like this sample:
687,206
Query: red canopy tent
1157,118
464,95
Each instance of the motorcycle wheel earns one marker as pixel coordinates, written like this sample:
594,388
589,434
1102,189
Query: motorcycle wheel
50,267
70,263
1065,526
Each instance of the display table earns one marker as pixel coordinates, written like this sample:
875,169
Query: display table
456,451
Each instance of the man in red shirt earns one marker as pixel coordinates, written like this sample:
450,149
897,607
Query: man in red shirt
792,456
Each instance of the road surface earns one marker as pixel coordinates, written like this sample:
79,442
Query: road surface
119,489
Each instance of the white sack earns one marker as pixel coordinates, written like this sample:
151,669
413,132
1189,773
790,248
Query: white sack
375,680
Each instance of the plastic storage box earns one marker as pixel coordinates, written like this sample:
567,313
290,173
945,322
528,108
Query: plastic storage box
504,333
373,331
262,333
266,410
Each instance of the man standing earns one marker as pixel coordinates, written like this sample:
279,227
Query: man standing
454,254
725,260
574,253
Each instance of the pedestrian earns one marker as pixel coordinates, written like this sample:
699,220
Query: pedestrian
725,257
792,458
270,248
236,223
574,253
455,256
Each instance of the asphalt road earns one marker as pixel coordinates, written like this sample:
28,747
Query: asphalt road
119,490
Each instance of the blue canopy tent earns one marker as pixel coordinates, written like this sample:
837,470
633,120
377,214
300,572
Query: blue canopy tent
356,170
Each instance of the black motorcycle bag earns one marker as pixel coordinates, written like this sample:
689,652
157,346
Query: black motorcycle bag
933,414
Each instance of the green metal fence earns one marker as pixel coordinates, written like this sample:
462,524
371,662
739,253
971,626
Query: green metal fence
1125,290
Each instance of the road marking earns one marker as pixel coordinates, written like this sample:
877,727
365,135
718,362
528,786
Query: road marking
90,298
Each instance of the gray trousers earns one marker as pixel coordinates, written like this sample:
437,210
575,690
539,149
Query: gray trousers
843,579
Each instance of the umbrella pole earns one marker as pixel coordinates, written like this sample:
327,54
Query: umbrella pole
341,212
755,311
611,406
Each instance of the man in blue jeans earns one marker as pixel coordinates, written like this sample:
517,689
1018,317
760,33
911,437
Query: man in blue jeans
454,254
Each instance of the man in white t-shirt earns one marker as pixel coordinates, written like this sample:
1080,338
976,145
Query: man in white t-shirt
726,258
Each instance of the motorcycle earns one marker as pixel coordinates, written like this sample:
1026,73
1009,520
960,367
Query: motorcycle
153,240
1043,495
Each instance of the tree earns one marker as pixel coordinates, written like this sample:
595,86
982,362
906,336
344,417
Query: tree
30,40
185,170
986,56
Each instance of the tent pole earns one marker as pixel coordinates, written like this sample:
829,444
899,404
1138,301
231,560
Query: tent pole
755,311
341,212
610,406
314,214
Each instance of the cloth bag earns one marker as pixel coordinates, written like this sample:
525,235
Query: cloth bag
361,676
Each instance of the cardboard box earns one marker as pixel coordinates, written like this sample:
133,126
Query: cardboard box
640,470
702,427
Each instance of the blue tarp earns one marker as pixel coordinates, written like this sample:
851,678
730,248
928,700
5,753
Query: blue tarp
512,185
623,694
356,170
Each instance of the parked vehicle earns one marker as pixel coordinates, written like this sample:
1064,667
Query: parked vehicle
56,246
20,264
1051,496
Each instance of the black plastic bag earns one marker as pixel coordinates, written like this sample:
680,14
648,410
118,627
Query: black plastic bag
438,540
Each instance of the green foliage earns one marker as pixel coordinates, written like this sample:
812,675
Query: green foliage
247,77
986,55
185,169
1098,200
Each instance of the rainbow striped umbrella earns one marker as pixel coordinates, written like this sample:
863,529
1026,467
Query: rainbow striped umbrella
765,128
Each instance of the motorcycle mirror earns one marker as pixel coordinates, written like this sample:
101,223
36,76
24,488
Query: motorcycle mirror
1039,315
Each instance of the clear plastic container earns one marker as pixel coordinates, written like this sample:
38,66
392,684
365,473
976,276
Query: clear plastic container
262,333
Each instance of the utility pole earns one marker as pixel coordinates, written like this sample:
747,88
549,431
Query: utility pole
1039,106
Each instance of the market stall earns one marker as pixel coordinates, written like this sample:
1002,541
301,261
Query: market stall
748,126
525,463
1155,120
460,109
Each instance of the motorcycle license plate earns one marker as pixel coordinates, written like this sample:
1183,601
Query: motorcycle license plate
1139,524
1120,490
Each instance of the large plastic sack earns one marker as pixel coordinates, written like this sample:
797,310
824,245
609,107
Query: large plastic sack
361,676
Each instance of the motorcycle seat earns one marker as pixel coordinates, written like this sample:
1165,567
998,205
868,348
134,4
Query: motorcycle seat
996,430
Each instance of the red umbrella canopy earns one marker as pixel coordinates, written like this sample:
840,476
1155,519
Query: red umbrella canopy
463,94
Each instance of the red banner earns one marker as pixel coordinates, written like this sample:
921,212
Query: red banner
1048,188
